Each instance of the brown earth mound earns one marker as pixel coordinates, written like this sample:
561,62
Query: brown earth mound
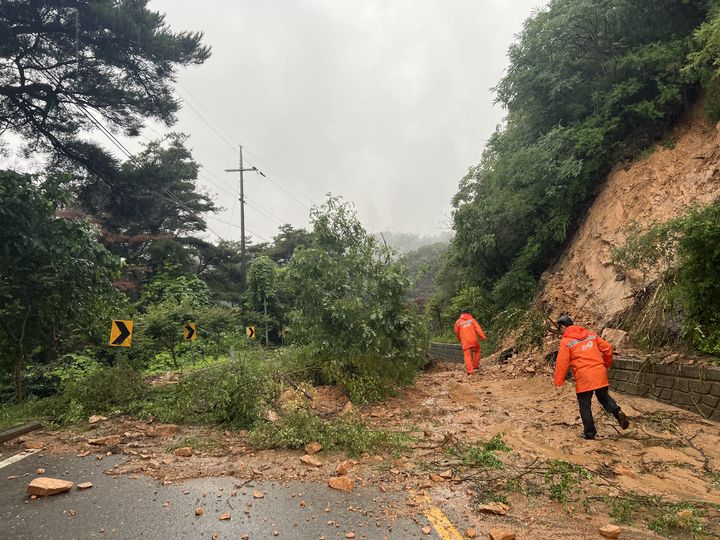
655,190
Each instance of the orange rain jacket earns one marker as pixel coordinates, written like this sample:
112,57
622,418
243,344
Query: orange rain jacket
588,355
467,331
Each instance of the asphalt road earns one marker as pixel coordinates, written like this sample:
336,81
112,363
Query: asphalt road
125,507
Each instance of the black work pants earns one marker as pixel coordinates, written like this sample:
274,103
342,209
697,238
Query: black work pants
585,403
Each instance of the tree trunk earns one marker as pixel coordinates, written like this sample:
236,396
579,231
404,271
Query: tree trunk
174,355
19,390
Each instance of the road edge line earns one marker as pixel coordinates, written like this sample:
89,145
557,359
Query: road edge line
17,457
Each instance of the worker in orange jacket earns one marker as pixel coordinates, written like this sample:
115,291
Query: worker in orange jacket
589,357
467,331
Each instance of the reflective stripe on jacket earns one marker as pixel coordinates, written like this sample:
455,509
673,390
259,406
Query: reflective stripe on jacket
588,356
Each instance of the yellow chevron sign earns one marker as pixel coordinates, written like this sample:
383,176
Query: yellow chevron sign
121,333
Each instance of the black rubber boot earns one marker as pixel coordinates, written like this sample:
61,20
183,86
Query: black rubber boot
622,419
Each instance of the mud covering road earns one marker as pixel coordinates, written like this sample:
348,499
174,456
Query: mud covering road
556,485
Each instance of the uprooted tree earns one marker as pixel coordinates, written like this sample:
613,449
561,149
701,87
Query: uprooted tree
350,307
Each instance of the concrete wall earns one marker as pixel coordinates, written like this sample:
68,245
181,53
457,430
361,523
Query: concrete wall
695,388
446,351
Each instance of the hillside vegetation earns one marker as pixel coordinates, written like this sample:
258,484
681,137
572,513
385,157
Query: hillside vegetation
590,84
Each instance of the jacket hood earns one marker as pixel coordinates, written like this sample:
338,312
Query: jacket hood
575,332
466,316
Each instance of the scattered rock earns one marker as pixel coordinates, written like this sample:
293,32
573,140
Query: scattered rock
497,508
110,440
199,511
166,430
185,451
350,535
258,495
224,516
610,531
271,416
471,533
447,475
43,487
344,467
82,454
84,485
311,461
96,419
501,534
34,444
40,471
348,408
624,471
313,448
616,337
341,483
436,478
426,530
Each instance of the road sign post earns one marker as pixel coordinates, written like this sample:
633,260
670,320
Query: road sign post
190,334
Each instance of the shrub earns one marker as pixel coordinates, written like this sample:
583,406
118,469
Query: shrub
687,249
235,393
103,390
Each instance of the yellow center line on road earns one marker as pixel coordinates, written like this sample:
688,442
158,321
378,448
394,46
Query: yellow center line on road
437,518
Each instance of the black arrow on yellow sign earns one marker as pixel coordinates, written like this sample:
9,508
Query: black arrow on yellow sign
189,332
121,333
250,331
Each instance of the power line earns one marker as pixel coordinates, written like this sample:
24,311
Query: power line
230,144
278,178
110,136
199,103
264,212
208,124
215,218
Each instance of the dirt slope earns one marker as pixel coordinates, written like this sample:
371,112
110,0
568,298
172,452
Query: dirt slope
654,190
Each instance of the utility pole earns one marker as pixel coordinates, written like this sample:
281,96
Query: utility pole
243,271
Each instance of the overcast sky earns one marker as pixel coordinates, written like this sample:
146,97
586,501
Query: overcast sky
385,102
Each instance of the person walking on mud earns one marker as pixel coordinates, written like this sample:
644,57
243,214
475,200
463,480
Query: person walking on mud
467,331
589,357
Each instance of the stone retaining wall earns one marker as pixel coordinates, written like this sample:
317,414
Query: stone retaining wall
695,388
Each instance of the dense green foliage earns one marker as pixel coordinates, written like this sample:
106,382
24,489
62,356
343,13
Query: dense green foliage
55,277
116,58
590,83
687,253
349,306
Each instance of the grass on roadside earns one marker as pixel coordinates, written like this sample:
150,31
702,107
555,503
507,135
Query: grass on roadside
198,444
480,454
351,435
